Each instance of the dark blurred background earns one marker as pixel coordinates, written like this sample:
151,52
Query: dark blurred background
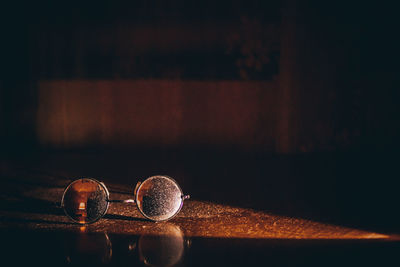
285,106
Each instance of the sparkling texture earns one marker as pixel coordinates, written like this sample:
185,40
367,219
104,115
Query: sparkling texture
159,198
196,219
85,200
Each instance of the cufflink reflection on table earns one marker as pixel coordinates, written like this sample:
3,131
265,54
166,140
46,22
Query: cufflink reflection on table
158,245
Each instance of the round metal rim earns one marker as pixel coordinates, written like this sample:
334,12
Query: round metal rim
94,180
154,176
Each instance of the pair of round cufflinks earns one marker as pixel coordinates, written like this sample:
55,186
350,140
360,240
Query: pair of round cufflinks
158,198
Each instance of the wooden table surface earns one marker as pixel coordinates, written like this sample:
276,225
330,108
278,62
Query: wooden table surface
29,211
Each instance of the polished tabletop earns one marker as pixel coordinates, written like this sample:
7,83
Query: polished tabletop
35,230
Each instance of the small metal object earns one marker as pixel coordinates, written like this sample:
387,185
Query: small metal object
85,200
158,198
